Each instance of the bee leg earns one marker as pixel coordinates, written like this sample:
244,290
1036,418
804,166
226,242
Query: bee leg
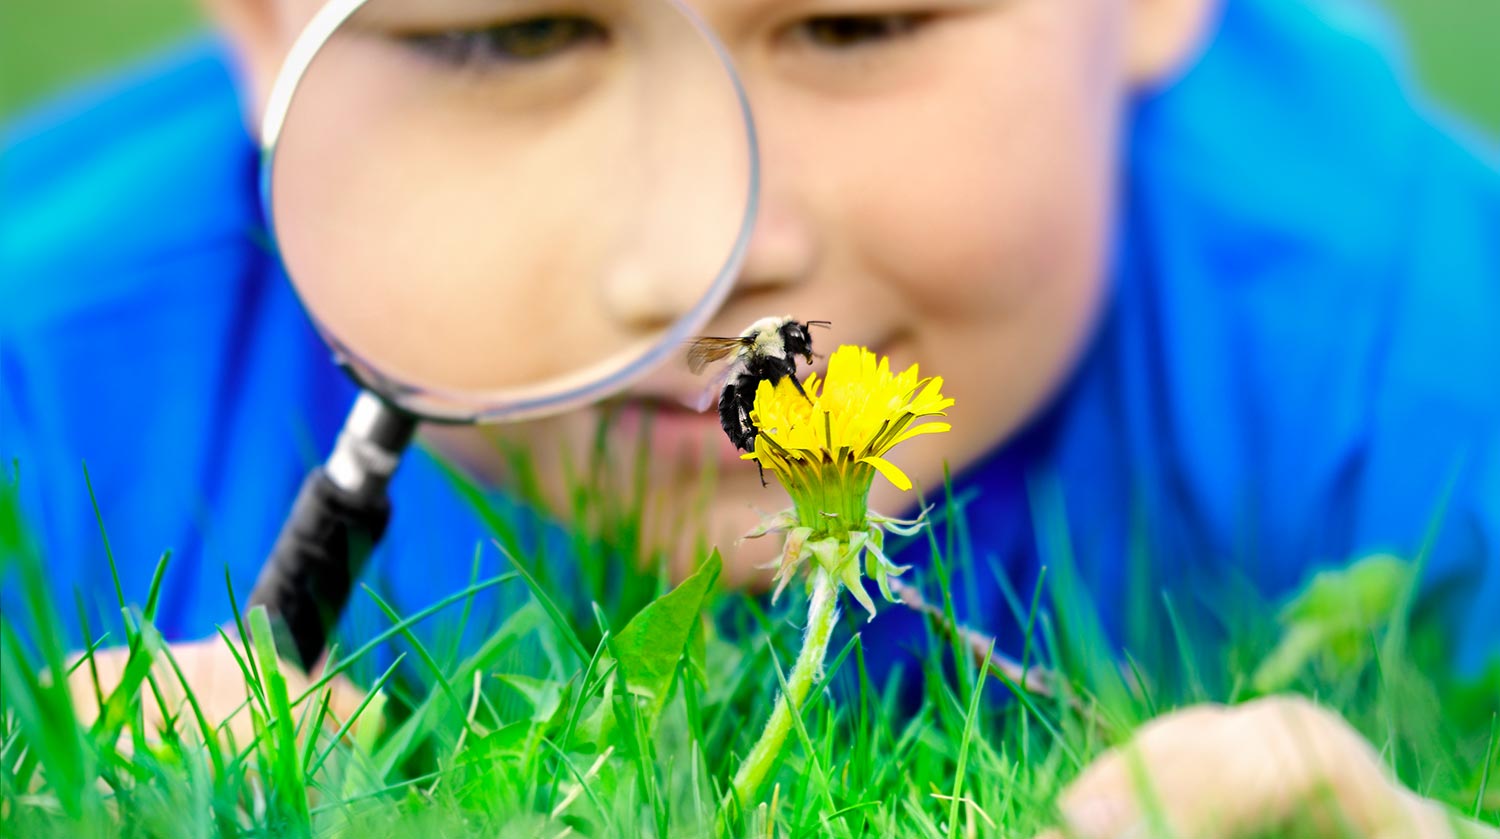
797,383
760,467
749,446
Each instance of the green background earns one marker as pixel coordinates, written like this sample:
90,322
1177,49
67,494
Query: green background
46,45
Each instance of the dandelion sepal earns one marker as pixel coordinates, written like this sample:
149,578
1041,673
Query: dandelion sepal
901,527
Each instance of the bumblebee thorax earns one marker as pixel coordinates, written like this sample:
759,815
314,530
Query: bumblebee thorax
767,335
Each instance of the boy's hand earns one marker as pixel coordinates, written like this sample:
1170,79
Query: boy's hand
218,684
1273,764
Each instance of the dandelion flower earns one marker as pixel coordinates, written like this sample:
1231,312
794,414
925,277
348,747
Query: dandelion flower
827,447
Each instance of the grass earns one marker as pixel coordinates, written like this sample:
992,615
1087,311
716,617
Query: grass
1453,53
47,46
601,705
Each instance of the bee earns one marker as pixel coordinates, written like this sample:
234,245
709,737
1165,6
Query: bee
766,351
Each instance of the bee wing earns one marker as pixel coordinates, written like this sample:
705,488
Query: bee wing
710,394
706,351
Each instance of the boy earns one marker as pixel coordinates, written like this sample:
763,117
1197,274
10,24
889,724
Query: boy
1204,268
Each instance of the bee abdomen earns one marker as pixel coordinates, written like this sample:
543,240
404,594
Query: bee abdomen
735,404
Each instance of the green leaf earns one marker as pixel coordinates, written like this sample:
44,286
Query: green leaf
698,649
1282,666
506,739
1356,597
596,724
1334,618
649,647
545,696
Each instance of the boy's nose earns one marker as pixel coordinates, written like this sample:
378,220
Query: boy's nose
655,285
786,245
642,296
783,250
684,223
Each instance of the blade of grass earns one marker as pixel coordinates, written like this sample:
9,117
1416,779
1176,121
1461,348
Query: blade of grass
359,710
399,627
1184,651
109,553
290,785
438,676
1492,753
564,628
247,663
963,751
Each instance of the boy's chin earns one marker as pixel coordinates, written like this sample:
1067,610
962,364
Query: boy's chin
703,516
746,561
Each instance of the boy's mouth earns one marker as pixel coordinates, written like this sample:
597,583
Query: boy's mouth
677,430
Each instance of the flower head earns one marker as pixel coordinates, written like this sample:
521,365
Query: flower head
853,416
826,447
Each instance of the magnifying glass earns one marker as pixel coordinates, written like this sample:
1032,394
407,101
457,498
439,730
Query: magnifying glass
493,210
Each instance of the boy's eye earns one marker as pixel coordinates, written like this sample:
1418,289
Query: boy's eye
851,31
524,41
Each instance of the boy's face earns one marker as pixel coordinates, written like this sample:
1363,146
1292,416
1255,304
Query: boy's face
937,182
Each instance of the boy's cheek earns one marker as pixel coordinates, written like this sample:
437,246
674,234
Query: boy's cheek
991,244
999,273
992,183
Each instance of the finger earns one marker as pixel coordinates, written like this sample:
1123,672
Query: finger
234,695
1122,792
1211,771
345,701
1207,771
210,673
93,676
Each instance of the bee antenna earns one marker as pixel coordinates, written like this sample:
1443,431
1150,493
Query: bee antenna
820,323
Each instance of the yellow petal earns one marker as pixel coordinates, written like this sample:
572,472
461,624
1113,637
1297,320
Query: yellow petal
919,430
891,472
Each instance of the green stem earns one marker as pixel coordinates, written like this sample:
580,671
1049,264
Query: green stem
822,614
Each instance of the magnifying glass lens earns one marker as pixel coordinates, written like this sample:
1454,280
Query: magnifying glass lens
499,208
493,210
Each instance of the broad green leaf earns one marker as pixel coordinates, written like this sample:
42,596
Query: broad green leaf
1334,618
506,738
649,647
545,696
698,648
1298,645
1355,597
595,725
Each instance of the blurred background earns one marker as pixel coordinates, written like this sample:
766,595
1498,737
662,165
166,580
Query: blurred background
48,45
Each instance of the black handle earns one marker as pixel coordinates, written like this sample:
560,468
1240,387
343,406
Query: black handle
321,551
338,519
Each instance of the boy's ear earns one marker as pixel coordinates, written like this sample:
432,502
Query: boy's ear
1165,36
254,29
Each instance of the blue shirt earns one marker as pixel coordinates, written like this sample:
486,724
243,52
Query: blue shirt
1299,361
